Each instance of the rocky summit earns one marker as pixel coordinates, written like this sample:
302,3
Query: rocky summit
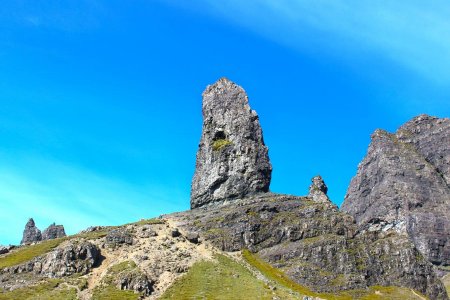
404,182
232,159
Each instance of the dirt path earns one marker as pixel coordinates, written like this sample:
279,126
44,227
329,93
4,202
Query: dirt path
97,274
418,296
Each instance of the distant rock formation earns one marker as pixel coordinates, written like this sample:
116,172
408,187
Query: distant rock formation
31,233
53,232
404,181
232,159
318,190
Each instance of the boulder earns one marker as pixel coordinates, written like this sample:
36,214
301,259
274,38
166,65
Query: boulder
136,281
118,237
192,237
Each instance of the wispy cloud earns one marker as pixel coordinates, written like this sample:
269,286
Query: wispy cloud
50,191
413,34
71,15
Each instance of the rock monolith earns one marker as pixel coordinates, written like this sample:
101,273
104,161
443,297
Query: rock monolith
232,159
31,233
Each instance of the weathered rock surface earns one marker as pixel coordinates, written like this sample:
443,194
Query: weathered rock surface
31,233
119,236
135,281
318,190
404,180
232,159
53,232
75,257
3,249
315,244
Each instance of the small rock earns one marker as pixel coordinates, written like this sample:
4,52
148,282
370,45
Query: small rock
119,236
175,232
192,237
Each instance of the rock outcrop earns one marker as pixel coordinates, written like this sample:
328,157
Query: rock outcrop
318,190
53,232
315,244
31,233
118,237
75,257
232,159
3,249
404,181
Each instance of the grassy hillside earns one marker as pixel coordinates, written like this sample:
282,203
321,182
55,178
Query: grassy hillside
27,253
224,279
228,279
50,290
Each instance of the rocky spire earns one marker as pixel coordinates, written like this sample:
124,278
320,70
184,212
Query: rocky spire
232,159
31,233
404,181
53,232
318,190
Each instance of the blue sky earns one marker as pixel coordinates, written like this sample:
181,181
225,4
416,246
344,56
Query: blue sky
100,101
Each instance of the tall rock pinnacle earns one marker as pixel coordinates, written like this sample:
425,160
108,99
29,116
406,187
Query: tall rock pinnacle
31,233
232,160
318,190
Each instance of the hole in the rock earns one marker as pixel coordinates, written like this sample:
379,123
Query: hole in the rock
219,135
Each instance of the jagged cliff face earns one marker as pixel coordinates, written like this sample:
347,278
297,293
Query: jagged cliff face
404,181
315,244
232,159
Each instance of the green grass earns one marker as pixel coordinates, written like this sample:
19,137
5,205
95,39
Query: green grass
153,221
108,291
373,293
93,235
219,144
112,293
50,290
446,281
221,279
29,252
123,266
275,274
